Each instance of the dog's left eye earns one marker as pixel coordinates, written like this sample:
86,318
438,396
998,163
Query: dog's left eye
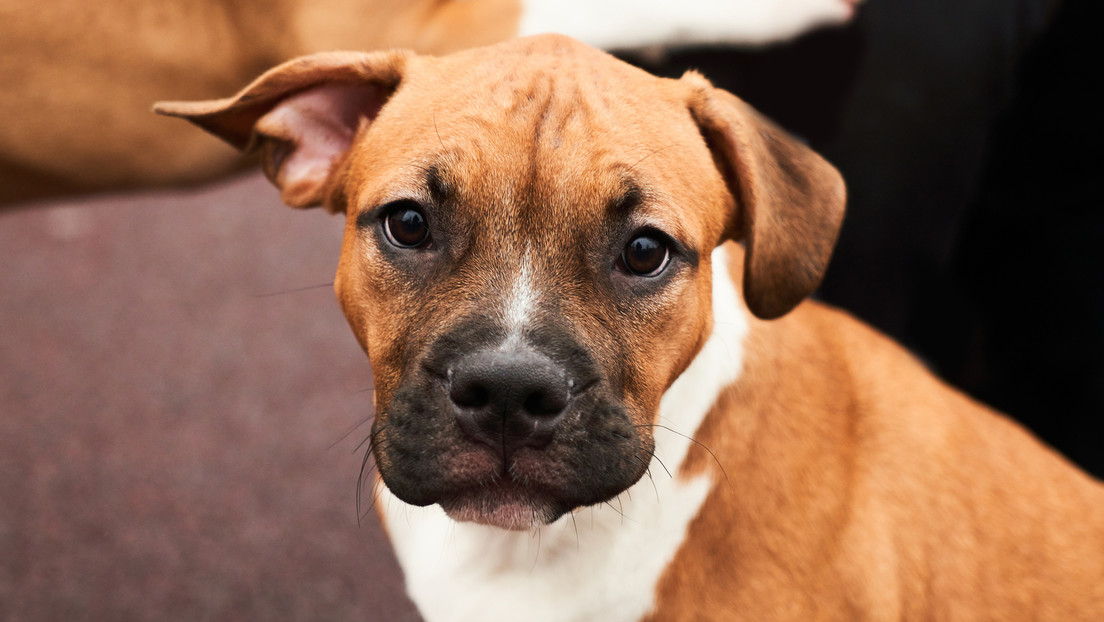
406,226
647,254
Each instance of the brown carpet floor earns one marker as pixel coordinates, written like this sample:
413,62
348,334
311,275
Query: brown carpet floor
173,415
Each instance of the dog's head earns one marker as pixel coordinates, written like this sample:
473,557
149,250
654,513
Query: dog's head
526,258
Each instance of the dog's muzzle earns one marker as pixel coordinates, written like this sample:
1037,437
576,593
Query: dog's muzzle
511,432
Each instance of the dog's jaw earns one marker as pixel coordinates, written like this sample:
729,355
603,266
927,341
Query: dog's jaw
466,571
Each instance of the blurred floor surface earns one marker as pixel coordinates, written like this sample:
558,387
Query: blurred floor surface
174,398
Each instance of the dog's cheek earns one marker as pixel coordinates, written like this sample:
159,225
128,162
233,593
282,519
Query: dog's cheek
411,446
371,324
659,340
688,324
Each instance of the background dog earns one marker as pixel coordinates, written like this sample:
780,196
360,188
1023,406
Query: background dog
80,77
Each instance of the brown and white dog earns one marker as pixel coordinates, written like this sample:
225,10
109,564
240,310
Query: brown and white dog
79,76
562,270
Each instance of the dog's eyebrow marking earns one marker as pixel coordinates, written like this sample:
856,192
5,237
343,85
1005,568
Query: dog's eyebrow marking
630,198
437,183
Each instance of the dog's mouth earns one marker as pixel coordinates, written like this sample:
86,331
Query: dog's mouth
504,503
504,436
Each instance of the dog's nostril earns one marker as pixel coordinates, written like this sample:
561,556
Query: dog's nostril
470,395
545,402
509,398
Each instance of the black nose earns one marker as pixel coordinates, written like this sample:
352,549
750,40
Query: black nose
509,398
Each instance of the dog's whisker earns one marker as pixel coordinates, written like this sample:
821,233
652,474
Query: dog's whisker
536,557
437,131
620,510
294,290
352,429
648,472
373,444
367,439
575,525
360,485
376,492
668,471
362,514
652,154
692,440
370,439
615,510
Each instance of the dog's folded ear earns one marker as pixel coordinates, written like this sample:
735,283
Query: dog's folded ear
789,201
302,116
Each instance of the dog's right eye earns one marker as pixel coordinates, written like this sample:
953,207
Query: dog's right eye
406,226
647,254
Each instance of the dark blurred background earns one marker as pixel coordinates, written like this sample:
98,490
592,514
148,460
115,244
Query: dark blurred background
970,137
178,385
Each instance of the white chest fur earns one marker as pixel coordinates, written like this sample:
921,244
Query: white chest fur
602,562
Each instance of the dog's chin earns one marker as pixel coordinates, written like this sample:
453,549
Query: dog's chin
505,505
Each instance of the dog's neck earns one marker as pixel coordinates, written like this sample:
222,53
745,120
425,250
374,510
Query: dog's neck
608,557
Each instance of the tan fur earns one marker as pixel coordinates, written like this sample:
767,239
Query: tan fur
792,199
79,77
855,486
861,487
369,176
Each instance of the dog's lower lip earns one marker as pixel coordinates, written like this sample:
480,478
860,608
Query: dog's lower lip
505,504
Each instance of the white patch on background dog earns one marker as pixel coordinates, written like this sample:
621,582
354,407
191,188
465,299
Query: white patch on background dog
604,562
627,24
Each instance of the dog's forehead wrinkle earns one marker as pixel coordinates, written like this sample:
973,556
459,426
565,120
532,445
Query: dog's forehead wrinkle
528,178
548,99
